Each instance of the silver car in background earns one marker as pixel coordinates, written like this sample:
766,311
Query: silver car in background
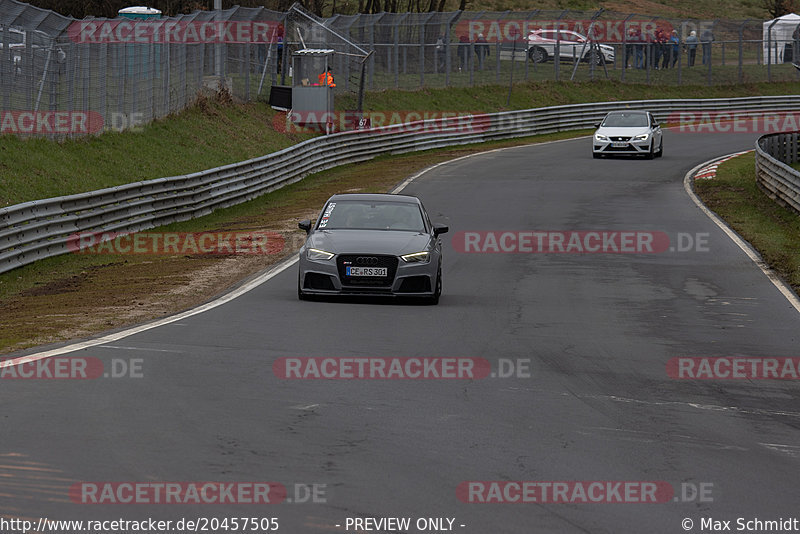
371,244
628,133
543,43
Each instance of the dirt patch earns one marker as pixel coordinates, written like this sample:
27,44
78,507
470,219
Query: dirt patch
76,299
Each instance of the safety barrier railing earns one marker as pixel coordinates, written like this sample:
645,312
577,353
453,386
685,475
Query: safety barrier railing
42,228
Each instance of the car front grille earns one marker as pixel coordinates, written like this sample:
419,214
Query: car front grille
617,139
366,260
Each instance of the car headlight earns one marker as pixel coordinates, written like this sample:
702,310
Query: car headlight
642,137
416,257
600,137
317,254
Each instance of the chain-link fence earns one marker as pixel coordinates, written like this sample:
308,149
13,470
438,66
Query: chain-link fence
65,77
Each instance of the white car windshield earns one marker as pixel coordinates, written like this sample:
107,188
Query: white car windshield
617,120
371,215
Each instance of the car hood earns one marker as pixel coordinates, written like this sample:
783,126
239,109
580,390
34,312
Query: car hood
368,241
627,131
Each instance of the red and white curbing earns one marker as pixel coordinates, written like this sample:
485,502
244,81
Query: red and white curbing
710,171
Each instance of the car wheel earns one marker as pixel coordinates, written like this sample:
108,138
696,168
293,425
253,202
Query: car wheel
434,299
537,54
660,149
650,154
594,57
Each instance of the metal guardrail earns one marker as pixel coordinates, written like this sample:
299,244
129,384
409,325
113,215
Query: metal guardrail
42,228
774,155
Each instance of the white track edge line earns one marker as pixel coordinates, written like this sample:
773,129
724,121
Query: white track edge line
239,291
773,277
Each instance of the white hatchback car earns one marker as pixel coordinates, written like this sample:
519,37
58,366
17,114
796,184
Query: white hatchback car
571,45
628,132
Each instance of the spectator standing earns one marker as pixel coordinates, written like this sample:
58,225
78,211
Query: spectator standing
463,52
658,48
706,38
638,48
691,47
629,57
440,54
481,49
674,47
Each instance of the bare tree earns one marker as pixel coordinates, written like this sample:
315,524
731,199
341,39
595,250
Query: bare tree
778,8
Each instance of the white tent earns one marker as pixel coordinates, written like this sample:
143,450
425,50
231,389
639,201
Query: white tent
780,35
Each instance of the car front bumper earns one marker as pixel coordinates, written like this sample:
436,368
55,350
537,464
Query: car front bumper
405,279
629,147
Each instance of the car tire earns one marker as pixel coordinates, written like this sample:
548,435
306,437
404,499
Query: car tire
660,149
594,57
650,154
434,299
537,54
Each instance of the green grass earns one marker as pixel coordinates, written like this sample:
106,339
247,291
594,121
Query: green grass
211,133
207,135
772,229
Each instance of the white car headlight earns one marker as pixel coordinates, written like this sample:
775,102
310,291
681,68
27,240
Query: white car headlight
600,137
642,137
316,254
416,257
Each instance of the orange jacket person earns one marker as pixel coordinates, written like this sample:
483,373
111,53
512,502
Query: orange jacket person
326,76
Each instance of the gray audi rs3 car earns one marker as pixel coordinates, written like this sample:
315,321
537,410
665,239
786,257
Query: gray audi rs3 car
372,244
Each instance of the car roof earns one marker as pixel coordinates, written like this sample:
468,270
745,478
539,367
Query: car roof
628,112
375,197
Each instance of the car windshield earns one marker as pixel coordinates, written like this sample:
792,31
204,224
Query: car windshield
616,120
371,215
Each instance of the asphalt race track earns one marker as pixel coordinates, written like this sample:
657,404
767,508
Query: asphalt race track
596,404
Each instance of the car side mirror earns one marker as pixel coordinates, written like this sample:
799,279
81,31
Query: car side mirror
305,224
440,229
597,125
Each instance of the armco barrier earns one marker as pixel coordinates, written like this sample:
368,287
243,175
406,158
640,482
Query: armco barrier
774,154
40,229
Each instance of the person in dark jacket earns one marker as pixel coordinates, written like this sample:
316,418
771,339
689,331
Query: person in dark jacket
481,49
463,52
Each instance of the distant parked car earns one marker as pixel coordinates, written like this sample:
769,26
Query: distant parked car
628,132
571,45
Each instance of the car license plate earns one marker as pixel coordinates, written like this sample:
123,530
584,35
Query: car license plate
366,271
619,145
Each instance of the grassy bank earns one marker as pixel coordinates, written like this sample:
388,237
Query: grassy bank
74,296
773,231
215,133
